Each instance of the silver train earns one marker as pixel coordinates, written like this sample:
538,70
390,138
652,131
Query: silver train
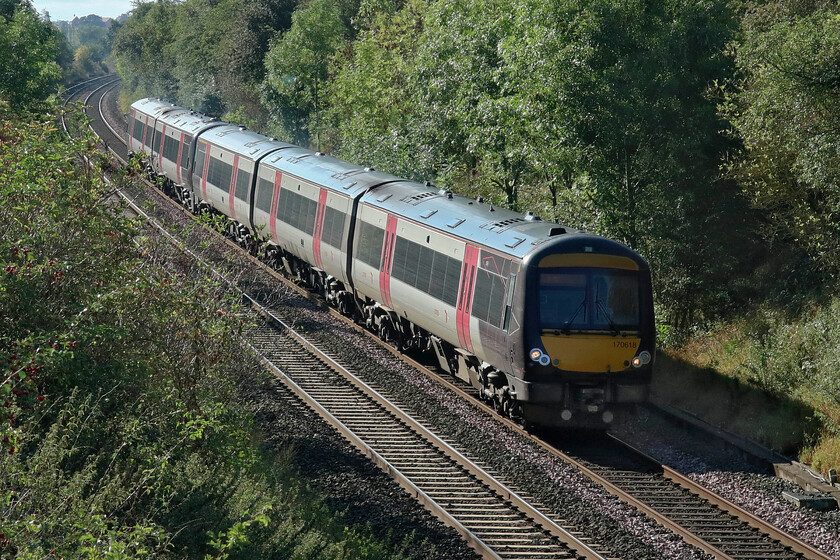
553,326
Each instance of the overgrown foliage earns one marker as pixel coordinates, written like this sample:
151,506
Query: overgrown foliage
29,70
121,432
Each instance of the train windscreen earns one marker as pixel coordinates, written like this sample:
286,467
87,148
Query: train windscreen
589,299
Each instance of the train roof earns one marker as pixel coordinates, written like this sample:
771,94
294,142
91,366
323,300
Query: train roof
154,107
188,121
471,220
327,171
242,141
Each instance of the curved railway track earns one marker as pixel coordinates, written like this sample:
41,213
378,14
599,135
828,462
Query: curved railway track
494,518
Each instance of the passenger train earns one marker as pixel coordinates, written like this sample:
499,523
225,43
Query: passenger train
553,326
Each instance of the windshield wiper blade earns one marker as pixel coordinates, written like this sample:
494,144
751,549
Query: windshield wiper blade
607,316
571,320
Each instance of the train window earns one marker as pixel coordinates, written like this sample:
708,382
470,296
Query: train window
243,184
265,192
589,299
155,141
138,130
297,211
170,149
219,173
489,298
200,152
369,244
185,152
427,270
333,230
494,263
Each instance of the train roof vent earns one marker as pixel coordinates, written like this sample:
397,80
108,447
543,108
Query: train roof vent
226,132
503,225
345,174
556,231
416,199
297,159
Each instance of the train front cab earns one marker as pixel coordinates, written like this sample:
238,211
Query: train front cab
588,337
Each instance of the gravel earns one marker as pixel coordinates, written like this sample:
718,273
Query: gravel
739,480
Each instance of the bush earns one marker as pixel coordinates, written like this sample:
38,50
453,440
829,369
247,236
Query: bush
121,430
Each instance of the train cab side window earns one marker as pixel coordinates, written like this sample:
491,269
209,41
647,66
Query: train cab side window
265,192
243,185
369,244
490,298
185,152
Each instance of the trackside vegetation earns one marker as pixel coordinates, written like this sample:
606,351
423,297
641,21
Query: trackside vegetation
122,434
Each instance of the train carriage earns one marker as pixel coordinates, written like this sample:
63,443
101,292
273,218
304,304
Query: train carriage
226,159
173,150
141,127
305,204
491,290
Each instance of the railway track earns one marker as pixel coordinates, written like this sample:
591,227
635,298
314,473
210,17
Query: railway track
704,519
423,464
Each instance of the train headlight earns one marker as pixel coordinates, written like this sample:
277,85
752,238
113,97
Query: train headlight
536,354
544,360
642,359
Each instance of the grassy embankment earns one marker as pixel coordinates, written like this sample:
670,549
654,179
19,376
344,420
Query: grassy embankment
769,376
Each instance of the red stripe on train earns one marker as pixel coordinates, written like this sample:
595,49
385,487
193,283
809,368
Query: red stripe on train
465,297
319,227
272,220
387,258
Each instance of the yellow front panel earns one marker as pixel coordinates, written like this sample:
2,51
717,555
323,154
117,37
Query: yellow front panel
590,353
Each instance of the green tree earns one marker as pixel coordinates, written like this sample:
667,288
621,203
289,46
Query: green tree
296,70
371,92
786,110
142,52
28,69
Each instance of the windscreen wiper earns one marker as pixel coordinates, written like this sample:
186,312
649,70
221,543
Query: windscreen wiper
607,316
574,316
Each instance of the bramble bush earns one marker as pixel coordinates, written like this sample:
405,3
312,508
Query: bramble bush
122,436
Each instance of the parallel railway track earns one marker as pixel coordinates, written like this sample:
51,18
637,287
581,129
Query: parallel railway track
469,501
